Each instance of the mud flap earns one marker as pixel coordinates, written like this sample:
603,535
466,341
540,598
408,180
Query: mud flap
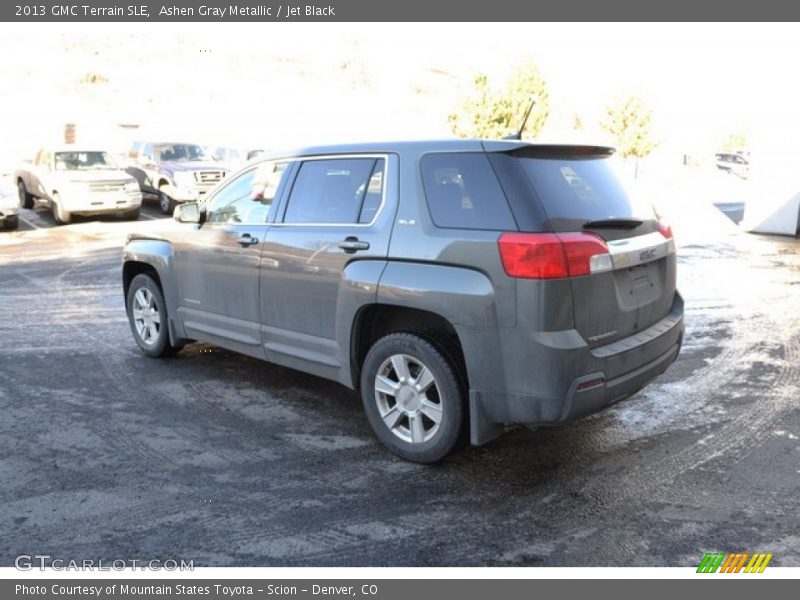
481,430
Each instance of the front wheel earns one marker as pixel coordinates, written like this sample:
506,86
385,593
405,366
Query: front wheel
11,223
147,315
165,202
412,397
62,217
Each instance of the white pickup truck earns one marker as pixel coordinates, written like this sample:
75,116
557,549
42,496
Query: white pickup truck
78,181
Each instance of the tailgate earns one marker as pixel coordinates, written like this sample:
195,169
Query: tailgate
577,190
634,294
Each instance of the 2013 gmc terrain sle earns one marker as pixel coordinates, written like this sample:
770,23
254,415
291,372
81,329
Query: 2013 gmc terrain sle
459,285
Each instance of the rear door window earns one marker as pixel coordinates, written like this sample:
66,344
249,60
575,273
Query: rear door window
463,192
336,191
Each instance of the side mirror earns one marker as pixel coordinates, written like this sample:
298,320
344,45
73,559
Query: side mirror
188,213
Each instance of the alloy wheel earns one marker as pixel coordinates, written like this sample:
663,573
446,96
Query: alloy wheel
408,398
146,317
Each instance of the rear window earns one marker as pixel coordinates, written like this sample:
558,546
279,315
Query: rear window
580,189
463,192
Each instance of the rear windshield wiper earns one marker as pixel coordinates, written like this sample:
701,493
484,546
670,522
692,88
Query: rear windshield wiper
613,223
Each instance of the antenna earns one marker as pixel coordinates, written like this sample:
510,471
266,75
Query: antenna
517,135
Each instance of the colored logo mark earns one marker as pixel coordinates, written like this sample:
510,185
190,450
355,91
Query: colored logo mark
734,562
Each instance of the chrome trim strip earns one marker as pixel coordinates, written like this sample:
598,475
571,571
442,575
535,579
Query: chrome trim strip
642,249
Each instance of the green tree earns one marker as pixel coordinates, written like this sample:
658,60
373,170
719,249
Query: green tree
492,113
735,142
629,121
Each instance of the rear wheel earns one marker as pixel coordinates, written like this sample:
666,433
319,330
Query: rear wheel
412,397
11,222
147,315
62,217
25,199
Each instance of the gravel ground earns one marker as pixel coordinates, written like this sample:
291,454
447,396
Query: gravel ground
224,460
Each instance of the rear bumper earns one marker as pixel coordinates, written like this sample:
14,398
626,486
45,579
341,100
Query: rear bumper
555,383
582,401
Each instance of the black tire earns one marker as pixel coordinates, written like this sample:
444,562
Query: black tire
158,344
25,199
445,392
11,223
61,216
165,203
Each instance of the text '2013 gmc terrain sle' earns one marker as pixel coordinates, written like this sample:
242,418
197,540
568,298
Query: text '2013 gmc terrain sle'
459,285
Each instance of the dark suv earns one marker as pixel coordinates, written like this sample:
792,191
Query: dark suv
459,285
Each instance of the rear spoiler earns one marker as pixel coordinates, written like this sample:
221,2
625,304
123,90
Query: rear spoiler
528,150
562,151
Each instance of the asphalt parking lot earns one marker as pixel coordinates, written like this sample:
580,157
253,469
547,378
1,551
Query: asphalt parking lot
227,461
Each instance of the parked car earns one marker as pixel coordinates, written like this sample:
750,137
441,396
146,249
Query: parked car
9,204
735,163
73,180
174,172
230,157
459,285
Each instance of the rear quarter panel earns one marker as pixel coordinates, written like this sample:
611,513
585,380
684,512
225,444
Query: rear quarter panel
455,273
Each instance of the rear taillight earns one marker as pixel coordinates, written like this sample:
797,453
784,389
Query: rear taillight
665,229
553,255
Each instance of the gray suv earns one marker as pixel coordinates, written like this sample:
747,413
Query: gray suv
458,285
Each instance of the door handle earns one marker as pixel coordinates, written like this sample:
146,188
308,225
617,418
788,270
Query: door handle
352,244
246,240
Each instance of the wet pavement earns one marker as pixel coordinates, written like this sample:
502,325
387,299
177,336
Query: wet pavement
225,460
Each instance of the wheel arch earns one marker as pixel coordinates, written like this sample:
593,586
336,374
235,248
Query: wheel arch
132,268
374,321
155,258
